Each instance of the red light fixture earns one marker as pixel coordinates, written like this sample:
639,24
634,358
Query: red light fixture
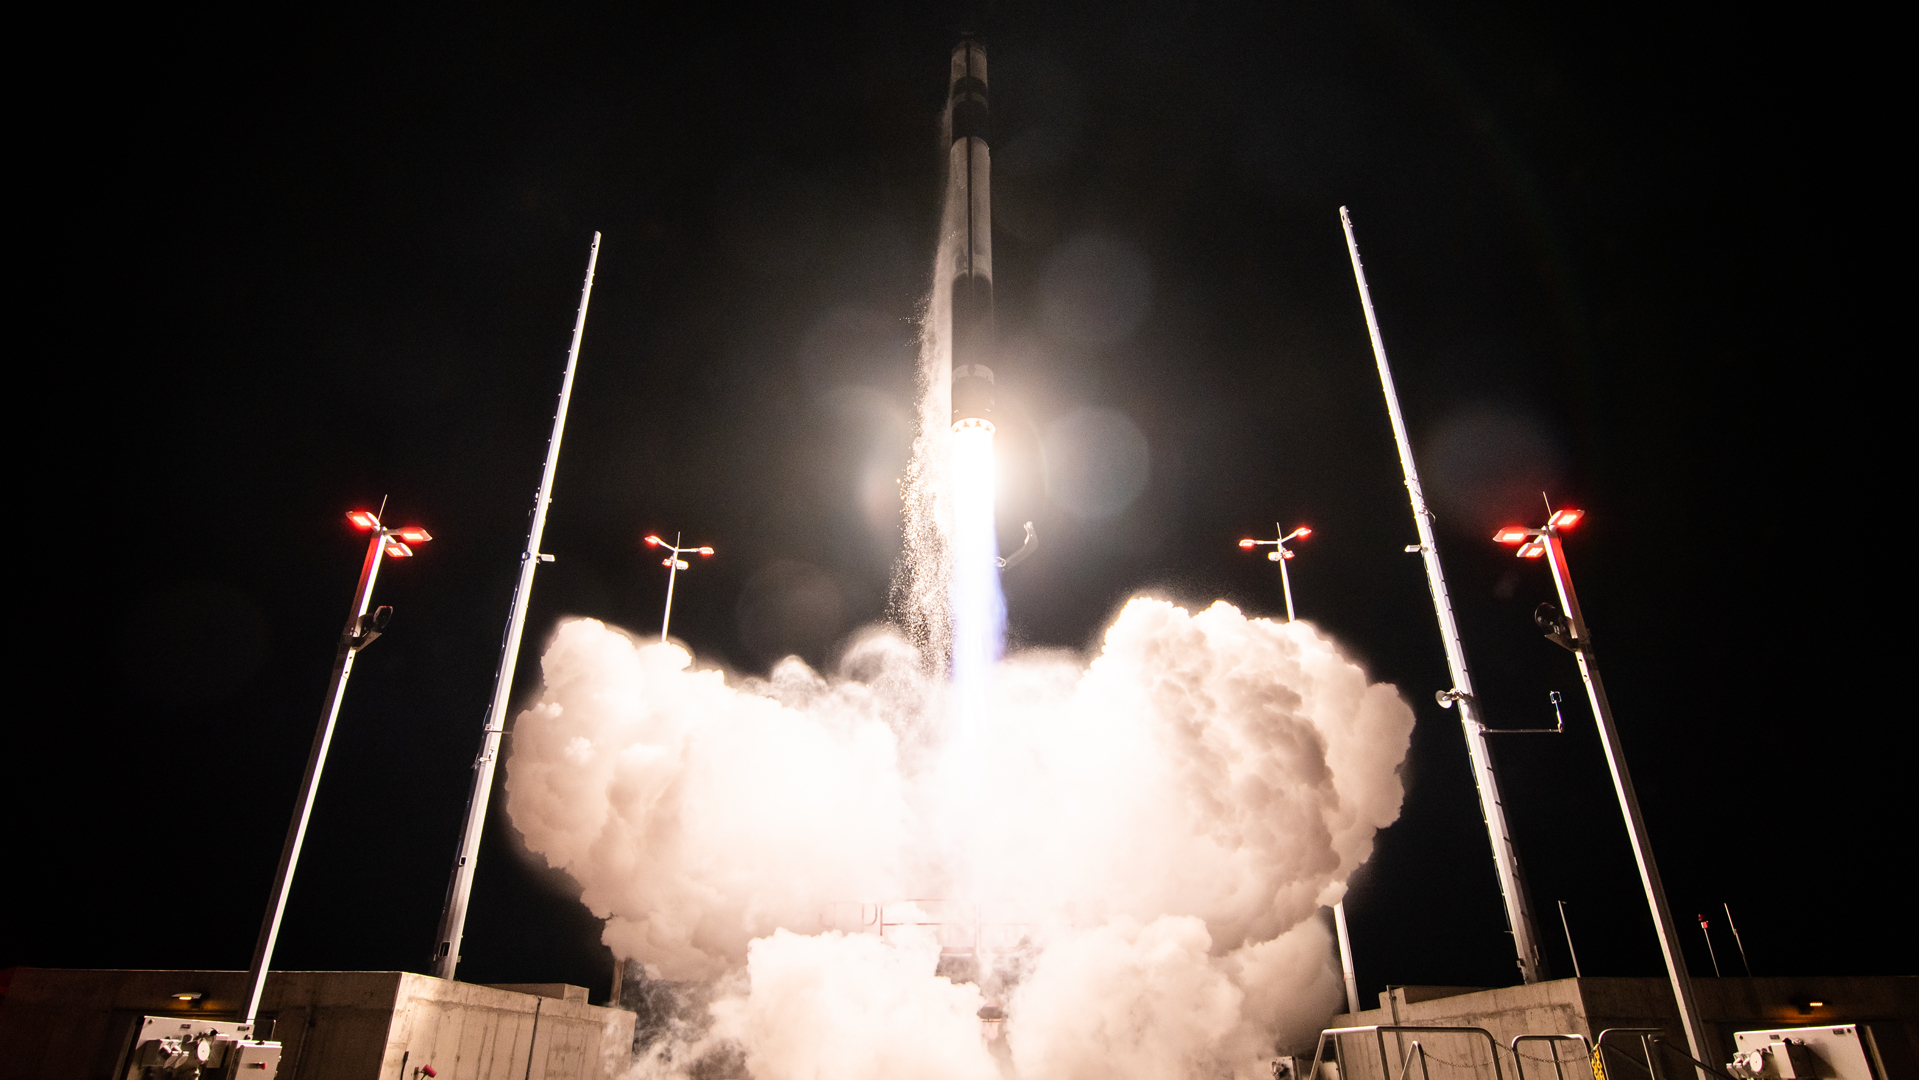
654,541
398,550
1512,534
413,534
1565,519
1246,544
363,520
1533,550
706,551
1303,532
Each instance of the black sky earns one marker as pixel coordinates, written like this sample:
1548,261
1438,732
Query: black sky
1658,259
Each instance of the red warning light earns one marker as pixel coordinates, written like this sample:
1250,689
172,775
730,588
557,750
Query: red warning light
1565,519
1246,544
1512,534
362,519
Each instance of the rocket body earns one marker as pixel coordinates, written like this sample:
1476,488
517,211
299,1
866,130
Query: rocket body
968,179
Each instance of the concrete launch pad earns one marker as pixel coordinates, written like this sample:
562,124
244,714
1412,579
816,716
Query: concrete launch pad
333,1025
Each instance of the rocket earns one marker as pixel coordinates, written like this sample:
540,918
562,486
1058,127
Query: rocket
970,206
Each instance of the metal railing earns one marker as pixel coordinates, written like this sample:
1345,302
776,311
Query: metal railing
1553,1047
1607,1040
1415,1051
1599,1057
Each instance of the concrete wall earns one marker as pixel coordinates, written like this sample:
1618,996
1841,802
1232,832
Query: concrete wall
469,1032
333,1025
1589,1006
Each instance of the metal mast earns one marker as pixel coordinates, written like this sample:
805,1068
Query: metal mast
1506,863
453,918
357,633
1700,1038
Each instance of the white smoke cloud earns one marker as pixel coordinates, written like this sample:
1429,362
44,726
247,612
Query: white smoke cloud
853,1007
1127,1001
1160,825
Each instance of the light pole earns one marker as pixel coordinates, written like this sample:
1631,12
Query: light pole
674,564
1280,554
1570,632
361,629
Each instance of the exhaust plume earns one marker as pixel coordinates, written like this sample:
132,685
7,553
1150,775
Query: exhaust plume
1152,834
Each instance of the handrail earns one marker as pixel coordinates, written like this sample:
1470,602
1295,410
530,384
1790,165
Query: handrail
1600,1046
1520,1068
1406,1066
1379,1033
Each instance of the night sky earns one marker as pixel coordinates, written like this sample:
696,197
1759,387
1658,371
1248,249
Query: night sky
1656,263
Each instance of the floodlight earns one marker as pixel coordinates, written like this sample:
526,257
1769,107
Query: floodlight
363,520
413,534
397,550
1511,534
1565,519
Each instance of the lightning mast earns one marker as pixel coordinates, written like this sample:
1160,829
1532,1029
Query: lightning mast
453,918
1513,886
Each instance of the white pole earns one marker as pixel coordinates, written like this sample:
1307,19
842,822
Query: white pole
1728,908
673,570
1505,861
1280,551
1698,1039
1568,930
453,917
1346,957
310,785
1340,907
